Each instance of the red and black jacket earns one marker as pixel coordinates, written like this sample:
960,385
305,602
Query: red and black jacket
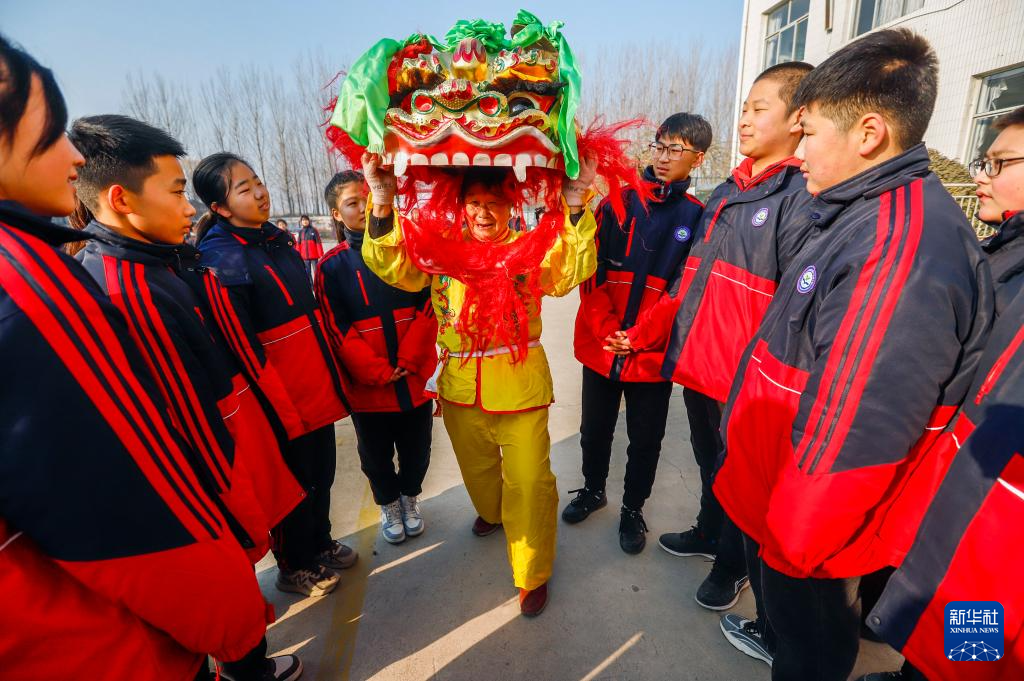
373,329
1005,251
970,545
117,558
861,361
266,310
211,403
745,240
636,259
308,243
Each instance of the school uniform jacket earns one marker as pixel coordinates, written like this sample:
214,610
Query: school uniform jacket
308,243
117,560
636,259
970,546
863,357
211,403
374,328
266,310
1005,251
745,240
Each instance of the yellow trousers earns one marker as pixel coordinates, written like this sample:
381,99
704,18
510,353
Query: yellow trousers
505,464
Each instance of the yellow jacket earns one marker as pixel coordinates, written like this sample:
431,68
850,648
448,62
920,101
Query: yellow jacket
493,383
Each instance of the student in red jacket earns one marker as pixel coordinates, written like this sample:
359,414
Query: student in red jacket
982,494
742,246
636,259
309,245
133,184
862,358
117,559
265,309
383,339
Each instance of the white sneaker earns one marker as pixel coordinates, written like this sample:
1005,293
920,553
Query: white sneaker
411,517
391,523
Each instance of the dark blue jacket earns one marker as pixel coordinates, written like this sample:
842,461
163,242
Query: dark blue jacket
1005,251
373,329
864,354
636,260
266,310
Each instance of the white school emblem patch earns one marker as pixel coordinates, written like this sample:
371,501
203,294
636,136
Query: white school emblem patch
808,280
760,217
682,234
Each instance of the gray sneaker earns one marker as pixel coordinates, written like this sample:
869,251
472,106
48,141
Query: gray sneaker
746,638
337,556
318,581
411,516
391,525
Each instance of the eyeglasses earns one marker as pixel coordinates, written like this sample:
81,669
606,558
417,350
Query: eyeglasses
675,151
991,166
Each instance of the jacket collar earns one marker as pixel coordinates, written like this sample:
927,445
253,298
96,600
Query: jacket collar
354,239
895,172
1011,230
265,233
744,178
108,242
666,191
25,220
766,183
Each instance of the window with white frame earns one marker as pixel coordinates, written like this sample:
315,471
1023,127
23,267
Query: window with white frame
786,35
874,13
1000,93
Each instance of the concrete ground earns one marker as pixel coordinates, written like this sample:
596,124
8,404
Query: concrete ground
442,606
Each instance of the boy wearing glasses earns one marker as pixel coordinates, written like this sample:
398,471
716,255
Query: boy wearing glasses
637,259
1000,178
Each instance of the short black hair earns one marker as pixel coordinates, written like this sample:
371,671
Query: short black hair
1009,120
304,217
893,72
690,127
118,150
17,68
788,75
280,220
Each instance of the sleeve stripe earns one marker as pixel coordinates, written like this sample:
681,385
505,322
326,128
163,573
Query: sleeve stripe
76,327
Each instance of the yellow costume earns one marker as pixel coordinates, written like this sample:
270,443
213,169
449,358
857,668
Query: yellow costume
496,411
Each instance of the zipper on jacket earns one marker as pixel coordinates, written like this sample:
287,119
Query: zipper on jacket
362,288
280,284
1000,366
714,219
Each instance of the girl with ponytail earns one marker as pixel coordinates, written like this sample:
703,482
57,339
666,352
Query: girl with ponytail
267,311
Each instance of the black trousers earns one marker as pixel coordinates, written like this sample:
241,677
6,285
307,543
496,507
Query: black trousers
756,573
251,667
705,417
816,624
310,268
306,531
380,435
646,413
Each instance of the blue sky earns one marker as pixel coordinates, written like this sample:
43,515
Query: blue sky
93,44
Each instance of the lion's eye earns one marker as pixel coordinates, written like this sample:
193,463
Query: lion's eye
520,104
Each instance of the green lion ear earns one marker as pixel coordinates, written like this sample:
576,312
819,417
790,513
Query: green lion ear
569,74
364,97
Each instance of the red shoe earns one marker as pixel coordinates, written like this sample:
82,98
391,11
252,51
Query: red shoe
532,603
482,528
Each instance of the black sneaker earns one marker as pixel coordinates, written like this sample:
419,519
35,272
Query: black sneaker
586,502
693,542
280,668
882,676
719,591
632,530
746,637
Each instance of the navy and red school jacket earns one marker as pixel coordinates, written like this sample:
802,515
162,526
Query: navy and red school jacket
265,308
862,359
211,403
308,243
970,545
745,240
1005,251
636,259
117,559
375,328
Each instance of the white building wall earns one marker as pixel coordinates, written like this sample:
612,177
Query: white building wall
972,38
